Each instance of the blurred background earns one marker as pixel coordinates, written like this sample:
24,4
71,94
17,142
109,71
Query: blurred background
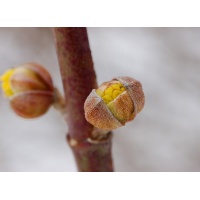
165,136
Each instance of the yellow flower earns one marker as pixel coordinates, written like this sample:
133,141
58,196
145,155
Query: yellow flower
29,88
6,86
111,92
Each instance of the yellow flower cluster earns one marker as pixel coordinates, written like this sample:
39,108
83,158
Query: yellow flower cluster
111,92
6,85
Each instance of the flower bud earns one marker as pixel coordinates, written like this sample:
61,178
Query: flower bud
29,88
114,103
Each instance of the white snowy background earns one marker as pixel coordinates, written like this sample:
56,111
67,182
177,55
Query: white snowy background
165,136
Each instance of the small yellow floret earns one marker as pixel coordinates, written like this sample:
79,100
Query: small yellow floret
116,93
5,85
108,91
122,89
107,98
111,93
116,86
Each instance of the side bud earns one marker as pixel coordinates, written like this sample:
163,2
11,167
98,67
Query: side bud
29,88
114,103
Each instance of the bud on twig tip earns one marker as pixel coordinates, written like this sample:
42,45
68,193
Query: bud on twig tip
114,103
29,88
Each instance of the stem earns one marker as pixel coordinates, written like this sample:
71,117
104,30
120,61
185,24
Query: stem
93,157
78,76
59,103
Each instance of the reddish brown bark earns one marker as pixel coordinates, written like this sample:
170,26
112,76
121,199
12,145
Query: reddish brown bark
93,157
79,79
78,76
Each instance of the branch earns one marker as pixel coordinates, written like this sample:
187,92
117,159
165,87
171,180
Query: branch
78,76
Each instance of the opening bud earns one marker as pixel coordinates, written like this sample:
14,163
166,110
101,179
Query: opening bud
29,88
114,103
